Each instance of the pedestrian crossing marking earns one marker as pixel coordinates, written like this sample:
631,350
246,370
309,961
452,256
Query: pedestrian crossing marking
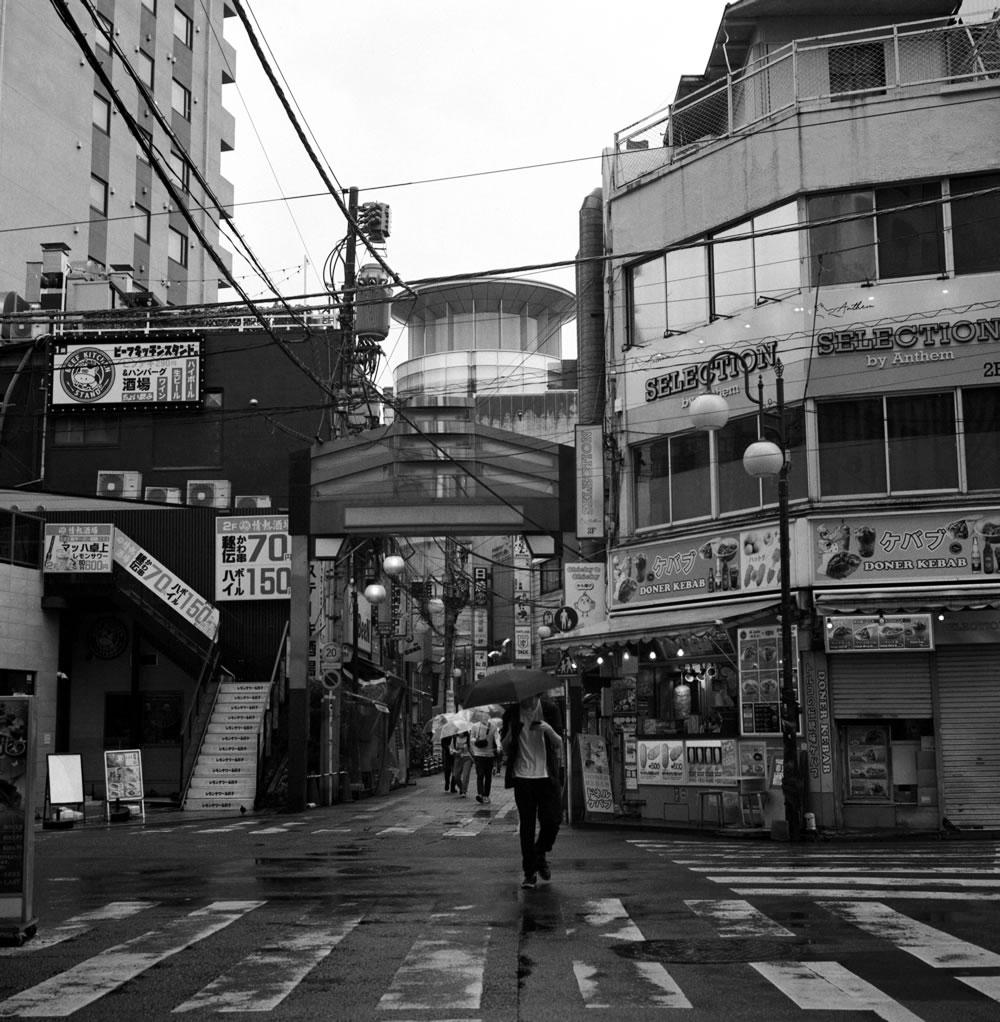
90,980
987,985
938,949
444,972
601,985
77,925
828,986
262,980
876,894
737,919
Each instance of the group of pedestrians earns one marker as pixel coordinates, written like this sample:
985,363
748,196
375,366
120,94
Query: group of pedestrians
529,739
478,747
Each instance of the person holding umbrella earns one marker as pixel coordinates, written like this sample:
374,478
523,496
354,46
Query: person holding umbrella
531,737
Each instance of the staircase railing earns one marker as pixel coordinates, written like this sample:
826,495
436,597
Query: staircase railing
270,760
198,715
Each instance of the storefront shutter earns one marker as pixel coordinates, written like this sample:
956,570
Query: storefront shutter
881,685
969,734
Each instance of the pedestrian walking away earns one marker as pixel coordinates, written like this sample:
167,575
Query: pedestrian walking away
448,761
484,743
462,767
531,735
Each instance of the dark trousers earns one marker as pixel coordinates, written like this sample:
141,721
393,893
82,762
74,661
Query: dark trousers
538,801
447,761
484,775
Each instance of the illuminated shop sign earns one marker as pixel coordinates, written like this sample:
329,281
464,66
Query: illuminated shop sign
131,372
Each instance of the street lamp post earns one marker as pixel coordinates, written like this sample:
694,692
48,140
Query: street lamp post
766,459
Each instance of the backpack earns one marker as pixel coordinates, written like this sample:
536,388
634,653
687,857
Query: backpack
482,742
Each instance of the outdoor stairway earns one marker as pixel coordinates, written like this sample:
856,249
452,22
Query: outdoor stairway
224,778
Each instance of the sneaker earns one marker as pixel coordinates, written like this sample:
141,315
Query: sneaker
487,800
542,866
530,880
481,800
463,794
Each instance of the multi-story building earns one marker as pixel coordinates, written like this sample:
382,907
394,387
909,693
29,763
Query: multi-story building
73,97
824,199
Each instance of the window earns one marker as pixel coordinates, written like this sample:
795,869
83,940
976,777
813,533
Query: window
687,288
180,99
841,252
142,222
144,68
104,31
150,5
975,223
98,195
857,67
672,480
776,257
910,240
902,443
181,170
183,28
732,270
649,310
982,437
102,113
177,247
86,431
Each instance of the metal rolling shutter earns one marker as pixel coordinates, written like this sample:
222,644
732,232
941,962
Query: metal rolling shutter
969,735
881,685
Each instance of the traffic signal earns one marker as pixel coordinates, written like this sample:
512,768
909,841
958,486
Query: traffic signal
374,221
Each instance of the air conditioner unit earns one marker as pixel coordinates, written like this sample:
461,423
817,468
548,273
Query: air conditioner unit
208,492
256,501
119,484
164,494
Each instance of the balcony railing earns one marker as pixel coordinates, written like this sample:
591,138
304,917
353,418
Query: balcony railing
808,74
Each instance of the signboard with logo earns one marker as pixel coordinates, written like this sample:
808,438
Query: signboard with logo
738,561
253,558
934,546
883,633
130,372
584,595
78,548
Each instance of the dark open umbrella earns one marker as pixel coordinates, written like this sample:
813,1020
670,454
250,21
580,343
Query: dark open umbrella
508,685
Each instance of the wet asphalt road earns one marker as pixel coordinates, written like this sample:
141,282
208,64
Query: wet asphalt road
408,907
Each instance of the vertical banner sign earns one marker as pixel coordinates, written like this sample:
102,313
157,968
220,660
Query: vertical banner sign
585,591
253,558
589,482
595,769
17,815
522,601
480,619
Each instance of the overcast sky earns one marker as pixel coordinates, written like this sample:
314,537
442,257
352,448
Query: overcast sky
428,106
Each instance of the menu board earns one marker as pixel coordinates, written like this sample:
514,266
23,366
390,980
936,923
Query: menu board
760,679
753,760
879,634
596,772
706,763
868,763
123,775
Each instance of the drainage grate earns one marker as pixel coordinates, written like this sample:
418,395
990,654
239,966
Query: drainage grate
710,951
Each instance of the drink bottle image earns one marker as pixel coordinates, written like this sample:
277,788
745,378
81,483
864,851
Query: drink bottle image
977,561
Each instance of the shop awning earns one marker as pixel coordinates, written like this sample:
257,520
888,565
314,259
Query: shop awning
906,599
643,627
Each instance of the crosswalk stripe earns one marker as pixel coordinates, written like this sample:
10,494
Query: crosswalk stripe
262,980
444,972
938,949
92,979
77,925
737,919
987,985
602,986
878,894
815,870
828,986
848,881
